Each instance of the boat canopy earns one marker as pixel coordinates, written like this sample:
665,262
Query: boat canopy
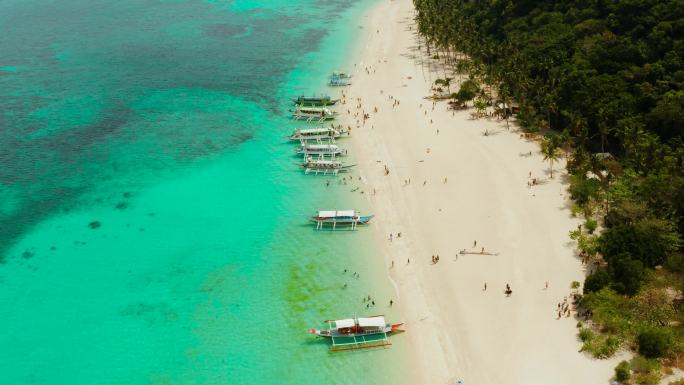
333,214
320,146
345,323
313,130
378,321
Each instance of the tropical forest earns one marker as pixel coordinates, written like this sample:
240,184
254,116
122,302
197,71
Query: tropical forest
601,84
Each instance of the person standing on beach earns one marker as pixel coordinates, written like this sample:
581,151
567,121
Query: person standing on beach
474,243
485,286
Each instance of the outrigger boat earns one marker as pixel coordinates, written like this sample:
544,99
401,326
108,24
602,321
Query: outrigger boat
339,82
358,333
324,167
321,101
313,114
318,133
351,218
321,149
340,75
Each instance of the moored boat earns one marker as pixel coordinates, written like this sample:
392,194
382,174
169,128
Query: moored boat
321,101
318,133
324,167
313,114
336,218
339,82
340,75
321,149
358,333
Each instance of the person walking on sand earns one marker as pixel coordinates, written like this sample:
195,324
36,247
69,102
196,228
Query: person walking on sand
485,287
408,260
474,243
546,286
391,302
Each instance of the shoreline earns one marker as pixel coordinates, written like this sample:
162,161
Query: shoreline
465,186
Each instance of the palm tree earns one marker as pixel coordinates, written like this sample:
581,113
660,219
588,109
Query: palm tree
550,148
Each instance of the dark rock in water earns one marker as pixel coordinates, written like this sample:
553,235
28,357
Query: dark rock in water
94,224
121,205
53,248
127,195
27,254
150,214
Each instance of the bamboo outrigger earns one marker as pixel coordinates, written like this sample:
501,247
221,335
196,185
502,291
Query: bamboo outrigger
358,333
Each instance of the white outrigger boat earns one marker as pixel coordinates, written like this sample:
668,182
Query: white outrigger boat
321,149
323,166
339,82
358,333
340,75
349,218
318,133
313,114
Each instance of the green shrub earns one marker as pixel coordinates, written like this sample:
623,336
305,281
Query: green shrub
622,372
641,364
582,190
575,285
628,274
654,342
650,378
647,240
591,225
596,281
467,91
675,263
586,334
601,346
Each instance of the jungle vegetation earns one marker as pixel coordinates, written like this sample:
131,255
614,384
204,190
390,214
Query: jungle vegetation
602,82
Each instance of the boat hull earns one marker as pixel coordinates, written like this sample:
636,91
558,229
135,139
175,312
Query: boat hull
334,333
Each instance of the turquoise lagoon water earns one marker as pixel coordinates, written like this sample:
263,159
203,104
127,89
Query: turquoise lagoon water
152,220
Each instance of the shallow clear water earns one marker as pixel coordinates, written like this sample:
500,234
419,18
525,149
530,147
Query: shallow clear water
152,219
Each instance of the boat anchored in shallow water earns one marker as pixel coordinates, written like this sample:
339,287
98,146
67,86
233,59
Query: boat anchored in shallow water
337,218
318,133
339,82
313,114
358,333
321,150
320,101
340,75
324,167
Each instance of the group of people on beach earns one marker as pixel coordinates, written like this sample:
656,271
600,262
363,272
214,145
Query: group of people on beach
563,308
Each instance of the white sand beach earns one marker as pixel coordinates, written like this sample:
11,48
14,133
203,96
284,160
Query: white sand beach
465,187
